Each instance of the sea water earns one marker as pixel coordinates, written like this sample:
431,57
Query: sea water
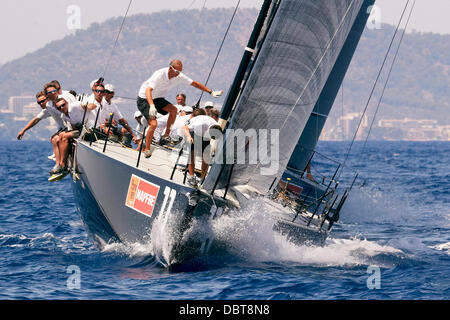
392,242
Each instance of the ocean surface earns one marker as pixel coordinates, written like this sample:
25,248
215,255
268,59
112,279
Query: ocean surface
393,240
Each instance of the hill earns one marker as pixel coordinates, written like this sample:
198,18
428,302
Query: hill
418,87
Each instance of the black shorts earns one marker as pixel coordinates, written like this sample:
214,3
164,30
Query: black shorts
58,132
144,107
75,133
93,135
205,143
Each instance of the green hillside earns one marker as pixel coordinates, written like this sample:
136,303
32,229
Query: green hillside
148,42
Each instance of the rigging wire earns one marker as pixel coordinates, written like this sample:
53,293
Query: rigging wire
327,48
117,39
201,11
190,6
220,48
388,76
373,89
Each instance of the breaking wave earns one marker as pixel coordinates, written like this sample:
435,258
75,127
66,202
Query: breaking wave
249,235
445,247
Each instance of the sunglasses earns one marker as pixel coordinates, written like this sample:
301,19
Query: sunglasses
100,91
42,101
175,70
108,92
53,91
60,106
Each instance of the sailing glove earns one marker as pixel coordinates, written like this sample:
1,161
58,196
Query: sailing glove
153,112
216,94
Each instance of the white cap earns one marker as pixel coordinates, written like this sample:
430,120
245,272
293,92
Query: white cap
209,104
187,109
93,82
109,87
137,114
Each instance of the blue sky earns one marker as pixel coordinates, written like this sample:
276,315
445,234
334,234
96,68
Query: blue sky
29,25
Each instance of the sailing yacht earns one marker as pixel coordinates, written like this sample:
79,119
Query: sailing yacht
286,84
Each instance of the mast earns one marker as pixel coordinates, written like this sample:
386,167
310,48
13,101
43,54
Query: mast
248,53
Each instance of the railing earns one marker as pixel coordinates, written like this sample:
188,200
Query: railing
321,200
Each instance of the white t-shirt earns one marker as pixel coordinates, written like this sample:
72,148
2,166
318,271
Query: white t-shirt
164,118
140,128
51,111
177,127
161,84
76,113
200,125
68,96
107,109
179,107
43,114
92,114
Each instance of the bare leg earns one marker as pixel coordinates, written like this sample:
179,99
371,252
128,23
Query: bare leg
204,168
64,148
150,131
139,144
205,160
55,144
191,165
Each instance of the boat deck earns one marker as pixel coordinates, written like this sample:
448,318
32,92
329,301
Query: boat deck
161,163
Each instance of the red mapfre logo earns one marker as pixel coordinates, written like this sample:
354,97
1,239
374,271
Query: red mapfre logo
142,195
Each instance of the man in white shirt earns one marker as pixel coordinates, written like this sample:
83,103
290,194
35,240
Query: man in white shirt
181,100
96,98
151,99
176,134
41,100
209,105
198,129
108,107
51,92
66,94
72,113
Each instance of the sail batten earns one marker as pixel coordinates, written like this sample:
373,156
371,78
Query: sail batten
292,67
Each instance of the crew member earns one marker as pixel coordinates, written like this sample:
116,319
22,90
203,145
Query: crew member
151,99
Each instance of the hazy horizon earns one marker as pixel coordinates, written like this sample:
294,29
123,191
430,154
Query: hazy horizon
42,22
